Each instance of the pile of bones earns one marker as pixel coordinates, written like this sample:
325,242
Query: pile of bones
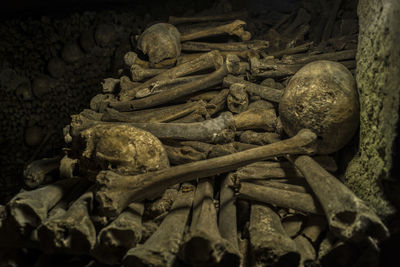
187,158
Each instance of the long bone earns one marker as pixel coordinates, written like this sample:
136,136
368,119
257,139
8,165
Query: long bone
235,46
163,97
220,17
162,247
234,28
206,61
270,244
220,129
204,230
348,216
139,187
140,73
163,114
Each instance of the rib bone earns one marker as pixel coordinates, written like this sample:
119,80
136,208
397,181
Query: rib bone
115,191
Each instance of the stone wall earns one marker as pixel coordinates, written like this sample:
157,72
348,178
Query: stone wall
378,79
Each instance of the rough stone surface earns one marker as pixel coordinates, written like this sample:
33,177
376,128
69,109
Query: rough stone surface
378,78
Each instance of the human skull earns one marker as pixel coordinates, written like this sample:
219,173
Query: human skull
321,97
160,41
121,148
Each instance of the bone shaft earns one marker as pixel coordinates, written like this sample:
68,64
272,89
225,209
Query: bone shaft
334,56
164,114
236,46
161,248
174,93
279,197
264,92
203,62
268,239
227,212
227,16
198,131
292,50
281,185
222,29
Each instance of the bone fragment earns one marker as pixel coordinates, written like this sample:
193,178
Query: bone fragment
282,198
306,250
162,205
272,69
234,28
162,247
227,212
315,225
238,99
280,184
292,223
180,90
292,50
270,244
139,73
72,232
99,102
282,169
348,216
139,187
183,154
206,61
256,119
219,17
304,58
28,209
122,234
109,85
132,58
203,243
217,104
265,92
164,85
259,138
36,173
235,46
163,114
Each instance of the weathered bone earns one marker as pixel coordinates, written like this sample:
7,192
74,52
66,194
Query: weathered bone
220,17
120,235
164,85
315,225
71,232
265,92
279,197
35,173
292,50
269,242
203,243
220,129
163,114
183,154
233,28
348,216
302,17
306,250
28,209
227,212
217,104
238,99
283,184
139,187
256,119
181,90
282,169
334,56
139,73
259,138
162,247
132,58
206,61
235,46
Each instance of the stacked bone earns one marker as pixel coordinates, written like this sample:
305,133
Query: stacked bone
237,183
